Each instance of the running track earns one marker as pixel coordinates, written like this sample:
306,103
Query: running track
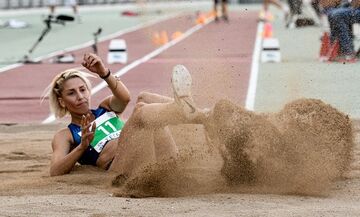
218,55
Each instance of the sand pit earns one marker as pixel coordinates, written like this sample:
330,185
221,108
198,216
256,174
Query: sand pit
194,171
300,150
308,183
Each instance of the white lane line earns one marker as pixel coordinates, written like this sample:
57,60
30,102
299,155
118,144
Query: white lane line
143,59
251,94
89,43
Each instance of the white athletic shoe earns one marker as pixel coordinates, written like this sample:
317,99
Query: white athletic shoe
181,83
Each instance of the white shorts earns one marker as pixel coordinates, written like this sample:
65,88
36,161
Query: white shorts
56,2
70,2
52,2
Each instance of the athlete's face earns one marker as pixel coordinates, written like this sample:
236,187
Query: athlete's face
75,96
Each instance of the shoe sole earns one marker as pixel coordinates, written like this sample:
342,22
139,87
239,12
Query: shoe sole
181,81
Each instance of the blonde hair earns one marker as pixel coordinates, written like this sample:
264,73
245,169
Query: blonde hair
54,90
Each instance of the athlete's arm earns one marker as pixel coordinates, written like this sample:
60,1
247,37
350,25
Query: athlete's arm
121,95
120,98
62,160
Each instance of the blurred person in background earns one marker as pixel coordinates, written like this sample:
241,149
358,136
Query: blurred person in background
52,4
341,20
224,10
265,14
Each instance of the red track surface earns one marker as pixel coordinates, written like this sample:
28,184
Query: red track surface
218,56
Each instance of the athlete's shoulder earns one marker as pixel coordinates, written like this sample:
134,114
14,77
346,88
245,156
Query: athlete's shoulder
62,135
99,111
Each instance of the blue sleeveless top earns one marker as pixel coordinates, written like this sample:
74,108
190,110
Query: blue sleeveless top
90,155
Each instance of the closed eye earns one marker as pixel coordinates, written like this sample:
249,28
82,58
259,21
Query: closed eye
70,93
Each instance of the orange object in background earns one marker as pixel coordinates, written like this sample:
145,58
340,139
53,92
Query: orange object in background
334,51
156,38
268,30
164,37
176,35
201,19
325,47
211,14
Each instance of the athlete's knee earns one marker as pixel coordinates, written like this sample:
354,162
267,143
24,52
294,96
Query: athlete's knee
142,97
138,110
137,114
145,115
139,105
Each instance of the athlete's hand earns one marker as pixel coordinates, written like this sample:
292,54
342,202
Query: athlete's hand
87,133
94,64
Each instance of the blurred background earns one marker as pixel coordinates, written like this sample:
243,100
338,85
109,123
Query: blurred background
15,4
